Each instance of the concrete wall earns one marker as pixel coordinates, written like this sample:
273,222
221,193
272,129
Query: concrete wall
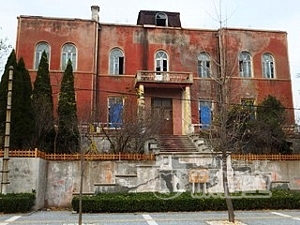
56,182
64,179
27,175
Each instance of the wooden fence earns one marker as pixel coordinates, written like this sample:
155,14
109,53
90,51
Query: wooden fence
133,156
277,157
73,157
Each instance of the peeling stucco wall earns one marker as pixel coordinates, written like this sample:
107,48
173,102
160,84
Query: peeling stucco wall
56,182
27,175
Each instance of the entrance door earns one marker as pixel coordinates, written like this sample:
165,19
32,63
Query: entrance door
162,112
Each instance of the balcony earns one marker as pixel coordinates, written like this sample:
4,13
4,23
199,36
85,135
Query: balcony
163,79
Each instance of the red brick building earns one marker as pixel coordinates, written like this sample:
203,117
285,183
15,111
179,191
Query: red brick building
156,64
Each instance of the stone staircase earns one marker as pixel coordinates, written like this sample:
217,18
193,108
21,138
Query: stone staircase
175,144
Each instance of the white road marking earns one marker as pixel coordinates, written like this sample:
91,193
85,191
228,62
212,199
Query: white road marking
280,214
149,220
223,222
285,215
12,219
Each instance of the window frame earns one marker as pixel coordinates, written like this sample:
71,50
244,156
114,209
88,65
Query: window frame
245,64
161,19
111,102
38,53
116,62
161,64
268,66
67,54
203,65
208,103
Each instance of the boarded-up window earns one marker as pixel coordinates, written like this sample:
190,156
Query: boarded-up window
205,113
115,111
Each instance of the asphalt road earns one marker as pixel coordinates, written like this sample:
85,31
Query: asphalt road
282,217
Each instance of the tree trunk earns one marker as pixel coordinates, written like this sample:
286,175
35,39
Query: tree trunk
81,185
226,189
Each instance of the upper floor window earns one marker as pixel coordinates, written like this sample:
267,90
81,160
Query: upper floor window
204,65
116,62
39,49
161,19
161,61
69,51
161,64
245,64
268,66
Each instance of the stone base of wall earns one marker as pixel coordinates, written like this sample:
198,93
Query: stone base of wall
56,182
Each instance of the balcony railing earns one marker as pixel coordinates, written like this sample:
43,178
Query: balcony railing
144,76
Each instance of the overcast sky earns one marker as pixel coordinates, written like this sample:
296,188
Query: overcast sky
254,14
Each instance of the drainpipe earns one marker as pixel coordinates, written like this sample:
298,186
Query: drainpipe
95,17
4,181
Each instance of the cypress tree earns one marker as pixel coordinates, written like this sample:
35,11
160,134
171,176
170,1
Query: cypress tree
68,133
11,61
22,120
43,107
271,117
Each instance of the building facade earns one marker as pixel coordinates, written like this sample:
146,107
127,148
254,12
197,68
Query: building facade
156,65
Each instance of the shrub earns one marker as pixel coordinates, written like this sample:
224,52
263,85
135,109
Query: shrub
150,202
12,202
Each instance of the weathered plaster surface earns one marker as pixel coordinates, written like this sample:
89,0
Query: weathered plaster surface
55,182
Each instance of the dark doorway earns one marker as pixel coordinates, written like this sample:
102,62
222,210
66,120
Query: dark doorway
162,111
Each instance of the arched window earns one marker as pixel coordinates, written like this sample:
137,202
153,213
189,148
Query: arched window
39,49
69,51
245,64
161,19
116,61
161,61
268,66
161,64
204,65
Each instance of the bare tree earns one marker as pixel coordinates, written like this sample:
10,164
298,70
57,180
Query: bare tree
134,131
5,49
226,134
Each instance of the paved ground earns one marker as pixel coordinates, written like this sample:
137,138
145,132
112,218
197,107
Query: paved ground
282,217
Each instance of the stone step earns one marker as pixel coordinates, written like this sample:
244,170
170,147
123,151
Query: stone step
175,143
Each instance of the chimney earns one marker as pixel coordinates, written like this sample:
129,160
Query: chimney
95,12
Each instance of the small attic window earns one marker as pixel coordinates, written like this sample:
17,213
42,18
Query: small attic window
161,19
